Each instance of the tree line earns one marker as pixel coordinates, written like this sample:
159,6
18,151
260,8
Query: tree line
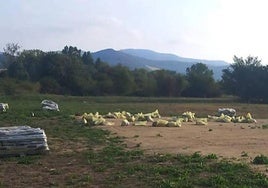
73,72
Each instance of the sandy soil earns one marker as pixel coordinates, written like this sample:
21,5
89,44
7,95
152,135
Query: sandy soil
236,141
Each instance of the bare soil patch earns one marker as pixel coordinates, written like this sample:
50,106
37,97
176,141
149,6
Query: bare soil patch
235,141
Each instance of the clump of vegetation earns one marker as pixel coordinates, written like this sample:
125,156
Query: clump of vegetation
27,160
265,126
244,154
138,145
159,135
260,159
212,156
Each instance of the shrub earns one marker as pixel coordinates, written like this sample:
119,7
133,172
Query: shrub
260,159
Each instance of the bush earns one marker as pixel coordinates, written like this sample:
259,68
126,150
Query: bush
260,159
11,87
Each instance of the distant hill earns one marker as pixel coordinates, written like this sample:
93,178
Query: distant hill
114,57
151,60
149,54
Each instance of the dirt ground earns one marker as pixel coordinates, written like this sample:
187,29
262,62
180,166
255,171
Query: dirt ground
65,166
235,141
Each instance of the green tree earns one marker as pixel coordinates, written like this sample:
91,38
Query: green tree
18,71
145,84
31,60
246,78
12,49
87,59
200,82
169,83
123,80
11,52
71,51
104,84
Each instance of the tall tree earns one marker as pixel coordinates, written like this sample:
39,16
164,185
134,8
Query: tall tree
123,80
87,58
18,71
31,60
246,78
145,84
200,82
72,51
12,49
169,83
11,52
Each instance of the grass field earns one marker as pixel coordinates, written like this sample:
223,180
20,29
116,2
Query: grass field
91,157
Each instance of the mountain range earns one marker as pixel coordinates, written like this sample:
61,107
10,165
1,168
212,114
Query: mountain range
150,60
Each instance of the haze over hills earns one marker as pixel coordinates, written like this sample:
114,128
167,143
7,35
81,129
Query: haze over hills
149,54
150,60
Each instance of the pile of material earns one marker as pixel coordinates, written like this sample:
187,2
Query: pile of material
93,119
235,119
166,123
227,111
201,121
222,118
244,119
154,118
127,118
188,116
133,117
4,107
50,105
22,140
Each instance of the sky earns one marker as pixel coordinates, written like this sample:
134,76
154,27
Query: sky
203,29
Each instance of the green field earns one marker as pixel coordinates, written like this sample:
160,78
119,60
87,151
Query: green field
90,157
